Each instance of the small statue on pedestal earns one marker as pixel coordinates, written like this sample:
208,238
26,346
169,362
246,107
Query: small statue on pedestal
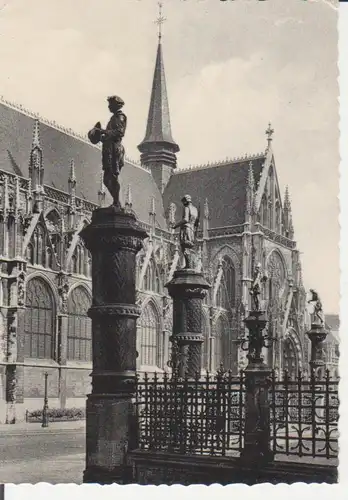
256,287
318,306
188,230
113,150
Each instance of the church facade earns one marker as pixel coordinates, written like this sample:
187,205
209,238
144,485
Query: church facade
50,184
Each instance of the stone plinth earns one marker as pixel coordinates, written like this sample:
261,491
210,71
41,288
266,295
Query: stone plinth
317,335
256,447
114,237
188,289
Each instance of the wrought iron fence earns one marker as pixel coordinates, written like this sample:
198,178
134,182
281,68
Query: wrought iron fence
202,416
206,416
304,416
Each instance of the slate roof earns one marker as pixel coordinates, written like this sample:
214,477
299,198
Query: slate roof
224,185
59,148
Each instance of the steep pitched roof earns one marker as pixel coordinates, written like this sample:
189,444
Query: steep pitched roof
158,128
59,148
223,185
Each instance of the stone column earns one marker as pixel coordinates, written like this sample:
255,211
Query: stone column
257,381
317,335
114,237
187,289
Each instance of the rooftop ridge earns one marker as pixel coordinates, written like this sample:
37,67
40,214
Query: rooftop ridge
61,128
219,163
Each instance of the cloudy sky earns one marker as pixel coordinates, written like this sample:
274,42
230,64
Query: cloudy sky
231,68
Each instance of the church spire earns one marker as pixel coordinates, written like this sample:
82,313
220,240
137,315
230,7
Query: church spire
158,147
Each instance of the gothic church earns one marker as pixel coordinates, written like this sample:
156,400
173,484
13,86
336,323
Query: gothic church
50,184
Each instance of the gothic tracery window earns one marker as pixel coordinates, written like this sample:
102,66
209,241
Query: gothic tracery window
221,343
151,278
205,345
79,326
79,260
38,246
225,297
39,320
149,340
290,358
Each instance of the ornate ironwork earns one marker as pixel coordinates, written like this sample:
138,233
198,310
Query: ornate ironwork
304,416
199,416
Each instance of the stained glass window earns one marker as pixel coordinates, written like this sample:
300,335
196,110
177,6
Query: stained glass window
151,278
39,320
290,358
149,336
79,326
226,294
221,344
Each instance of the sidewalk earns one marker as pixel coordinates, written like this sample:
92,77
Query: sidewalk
29,428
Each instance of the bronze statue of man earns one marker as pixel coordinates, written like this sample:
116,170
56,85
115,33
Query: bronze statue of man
318,306
188,228
113,150
256,287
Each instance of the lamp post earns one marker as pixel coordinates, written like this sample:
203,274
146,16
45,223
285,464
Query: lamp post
45,406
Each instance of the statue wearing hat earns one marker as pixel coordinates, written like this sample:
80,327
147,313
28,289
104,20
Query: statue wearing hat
188,228
113,149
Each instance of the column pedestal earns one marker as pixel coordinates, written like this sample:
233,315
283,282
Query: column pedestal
114,237
187,289
317,335
257,381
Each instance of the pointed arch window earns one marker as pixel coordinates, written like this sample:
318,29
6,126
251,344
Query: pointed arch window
277,217
79,260
149,331
205,345
79,326
221,343
290,358
39,320
151,278
38,246
225,297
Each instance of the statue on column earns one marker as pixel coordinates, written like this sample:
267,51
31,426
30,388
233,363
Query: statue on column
113,152
256,287
318,306
188,230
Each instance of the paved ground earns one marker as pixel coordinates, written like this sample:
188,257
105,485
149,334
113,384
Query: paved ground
30,454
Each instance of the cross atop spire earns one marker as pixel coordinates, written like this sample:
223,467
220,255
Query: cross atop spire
269,132
160,20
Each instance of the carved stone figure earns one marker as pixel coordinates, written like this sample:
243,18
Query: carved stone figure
113,150
318,306
256,287
188,229
21,289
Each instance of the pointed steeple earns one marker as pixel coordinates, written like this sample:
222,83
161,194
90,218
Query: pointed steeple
287,204
36,170
158,147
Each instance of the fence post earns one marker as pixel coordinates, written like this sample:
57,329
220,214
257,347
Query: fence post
187,289
257,381
114,237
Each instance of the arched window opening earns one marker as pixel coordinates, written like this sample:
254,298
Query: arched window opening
226,294
264,211
79,326
205,345
79,260
277,217
56,243
221,344
290,358
151,278
38,244
149,331
39,320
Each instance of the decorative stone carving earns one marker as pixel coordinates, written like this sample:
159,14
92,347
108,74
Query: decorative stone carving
63,290
21,289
